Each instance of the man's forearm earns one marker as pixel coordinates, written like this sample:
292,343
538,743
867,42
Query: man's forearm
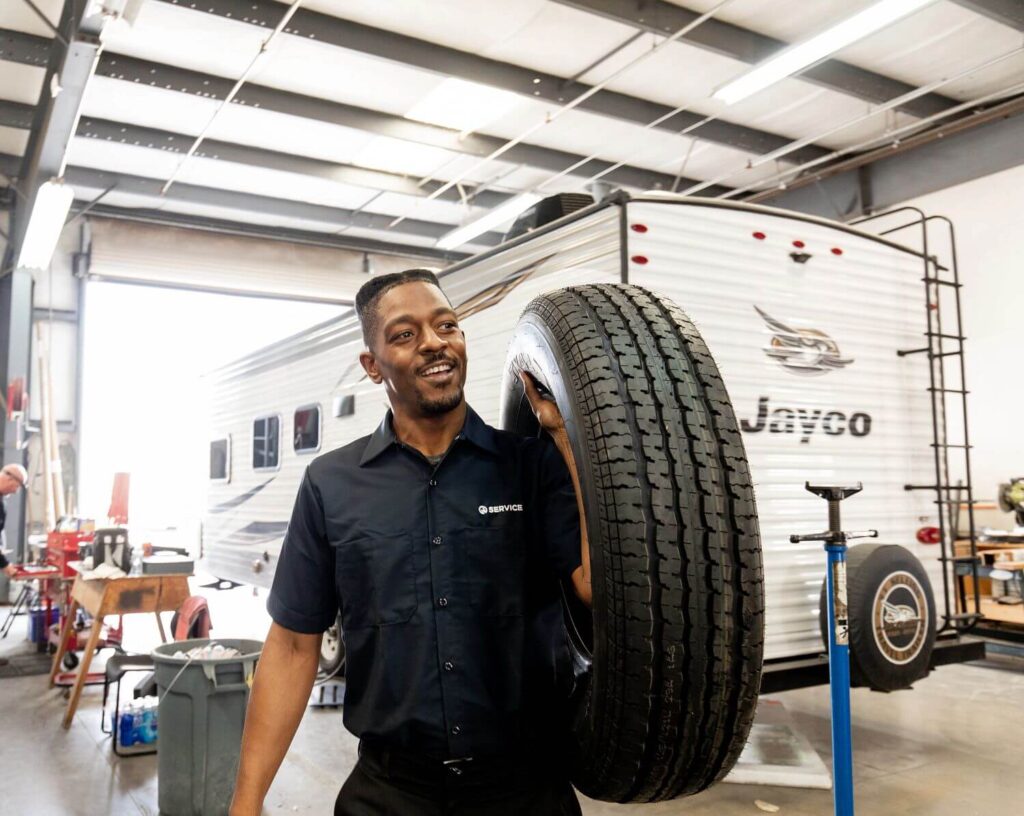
284,679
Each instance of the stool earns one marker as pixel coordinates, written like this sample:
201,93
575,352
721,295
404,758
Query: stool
117,666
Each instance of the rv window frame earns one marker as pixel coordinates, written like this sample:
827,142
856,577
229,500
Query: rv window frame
252,453
319,430
227,460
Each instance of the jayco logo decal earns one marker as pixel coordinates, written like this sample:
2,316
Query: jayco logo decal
806,422
802,351
500,508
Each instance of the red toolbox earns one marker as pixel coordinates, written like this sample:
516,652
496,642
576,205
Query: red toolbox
63,548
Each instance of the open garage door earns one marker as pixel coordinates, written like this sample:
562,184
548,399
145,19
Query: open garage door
193,259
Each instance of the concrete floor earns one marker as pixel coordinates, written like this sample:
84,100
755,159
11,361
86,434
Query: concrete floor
950,747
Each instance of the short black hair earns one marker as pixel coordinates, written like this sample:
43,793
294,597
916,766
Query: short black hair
373,290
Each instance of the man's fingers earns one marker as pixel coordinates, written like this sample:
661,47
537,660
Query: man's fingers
531,390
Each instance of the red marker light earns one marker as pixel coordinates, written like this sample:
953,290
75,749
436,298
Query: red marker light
639,259
799,244
836,251
639,228
760,236
929,535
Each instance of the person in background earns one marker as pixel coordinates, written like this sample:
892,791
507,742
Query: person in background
13,477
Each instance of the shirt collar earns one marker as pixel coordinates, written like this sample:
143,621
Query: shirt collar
474,430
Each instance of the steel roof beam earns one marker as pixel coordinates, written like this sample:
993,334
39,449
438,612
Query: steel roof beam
664,18
19,116
1008,12
158,75
445,61
82,177
221,226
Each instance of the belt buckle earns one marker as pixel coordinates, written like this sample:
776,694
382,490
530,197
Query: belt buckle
455,765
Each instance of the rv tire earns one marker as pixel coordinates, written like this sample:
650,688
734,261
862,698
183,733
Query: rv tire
891,611
669,656
332,651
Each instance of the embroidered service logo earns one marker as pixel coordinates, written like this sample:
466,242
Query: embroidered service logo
802,351
500,508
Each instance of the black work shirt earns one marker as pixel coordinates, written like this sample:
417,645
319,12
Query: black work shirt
447,578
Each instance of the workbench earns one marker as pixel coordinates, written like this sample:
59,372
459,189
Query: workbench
114,596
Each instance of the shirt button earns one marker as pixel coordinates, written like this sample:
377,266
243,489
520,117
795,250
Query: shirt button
433,482
449,666
442,602
436,540
456,730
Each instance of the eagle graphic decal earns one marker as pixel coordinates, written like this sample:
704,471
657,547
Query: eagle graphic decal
803,351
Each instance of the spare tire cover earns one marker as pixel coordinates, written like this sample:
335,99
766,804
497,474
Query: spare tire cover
671,652
892,616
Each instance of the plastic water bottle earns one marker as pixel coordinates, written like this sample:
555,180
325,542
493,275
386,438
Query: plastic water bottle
148,729
137,736
126,733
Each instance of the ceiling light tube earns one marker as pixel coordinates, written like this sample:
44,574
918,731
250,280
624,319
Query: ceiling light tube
49,212
499,215
797,57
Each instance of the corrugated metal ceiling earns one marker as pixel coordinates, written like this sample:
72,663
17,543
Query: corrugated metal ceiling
367,105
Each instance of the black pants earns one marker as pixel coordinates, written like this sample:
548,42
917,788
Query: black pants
384,783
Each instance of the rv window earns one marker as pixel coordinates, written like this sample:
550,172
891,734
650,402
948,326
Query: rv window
220,460
266,434
307,428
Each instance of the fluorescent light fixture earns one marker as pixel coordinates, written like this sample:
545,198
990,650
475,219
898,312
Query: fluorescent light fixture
49,212
499,215
462,105
803,55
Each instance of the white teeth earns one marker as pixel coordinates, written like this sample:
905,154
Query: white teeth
438,368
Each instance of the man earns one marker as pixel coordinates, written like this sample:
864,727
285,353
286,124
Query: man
13,477
444,541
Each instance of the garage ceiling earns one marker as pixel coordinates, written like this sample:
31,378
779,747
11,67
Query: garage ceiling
373,122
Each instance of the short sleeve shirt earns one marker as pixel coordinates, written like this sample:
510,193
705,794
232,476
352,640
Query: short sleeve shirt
449,580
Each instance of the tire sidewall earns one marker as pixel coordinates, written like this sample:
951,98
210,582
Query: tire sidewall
535,349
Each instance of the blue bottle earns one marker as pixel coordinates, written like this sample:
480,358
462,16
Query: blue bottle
126,732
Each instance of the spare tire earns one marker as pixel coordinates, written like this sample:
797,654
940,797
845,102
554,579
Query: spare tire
332,651
892,616
670,654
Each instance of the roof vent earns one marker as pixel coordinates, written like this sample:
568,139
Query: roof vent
547,210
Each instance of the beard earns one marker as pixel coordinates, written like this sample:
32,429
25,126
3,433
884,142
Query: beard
439,405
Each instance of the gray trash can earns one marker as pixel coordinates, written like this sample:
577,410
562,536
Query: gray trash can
201,714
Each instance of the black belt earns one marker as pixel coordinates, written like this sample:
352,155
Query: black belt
489,769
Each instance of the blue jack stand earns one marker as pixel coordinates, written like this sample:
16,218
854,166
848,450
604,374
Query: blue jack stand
838,639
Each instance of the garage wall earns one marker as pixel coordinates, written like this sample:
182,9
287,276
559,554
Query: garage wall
990,243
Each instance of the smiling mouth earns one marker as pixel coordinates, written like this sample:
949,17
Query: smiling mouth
438,371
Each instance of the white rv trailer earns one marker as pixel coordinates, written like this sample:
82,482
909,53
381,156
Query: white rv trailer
804,317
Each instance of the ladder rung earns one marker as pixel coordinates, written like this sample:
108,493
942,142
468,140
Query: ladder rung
942,282
905,352
963,616
946,354
920,487
951,445
959,337
949,390
965,559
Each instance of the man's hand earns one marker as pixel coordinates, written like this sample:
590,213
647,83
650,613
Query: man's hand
10,571
546,411
550,419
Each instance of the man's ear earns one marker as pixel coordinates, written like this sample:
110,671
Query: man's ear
369,364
